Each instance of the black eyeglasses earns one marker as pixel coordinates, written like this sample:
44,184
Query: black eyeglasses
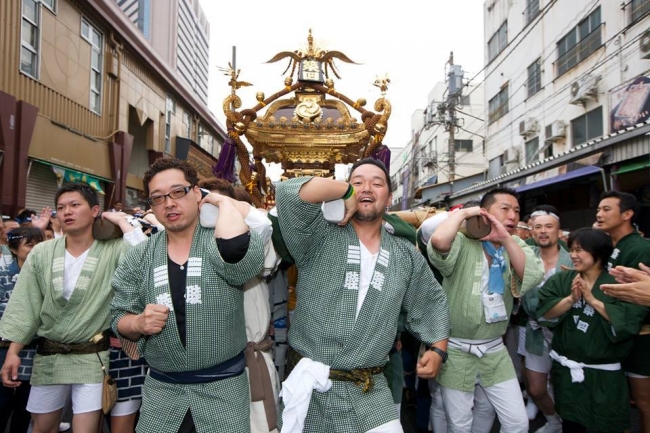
155,200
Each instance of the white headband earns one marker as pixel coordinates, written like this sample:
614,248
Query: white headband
543,213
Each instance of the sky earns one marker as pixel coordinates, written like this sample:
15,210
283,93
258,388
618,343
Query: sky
410,41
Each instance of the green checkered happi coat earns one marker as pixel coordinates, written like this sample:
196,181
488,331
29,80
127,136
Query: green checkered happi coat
215,332
323,327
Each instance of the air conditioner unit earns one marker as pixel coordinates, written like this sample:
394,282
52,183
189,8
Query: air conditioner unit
644,45
511,155
527,127
584,88
555,130
510,160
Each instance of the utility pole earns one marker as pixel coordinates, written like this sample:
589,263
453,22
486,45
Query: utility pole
452,113
444,114
454,92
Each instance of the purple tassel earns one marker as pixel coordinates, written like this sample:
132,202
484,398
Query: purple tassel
225,166
382,153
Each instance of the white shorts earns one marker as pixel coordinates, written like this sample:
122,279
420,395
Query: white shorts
540,364
521,342
86,397
124,408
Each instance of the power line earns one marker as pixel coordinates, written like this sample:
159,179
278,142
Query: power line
470,132
599,63
467,114
583,14
568,85
528,29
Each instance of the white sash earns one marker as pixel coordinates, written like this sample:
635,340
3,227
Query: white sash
477,347
576,368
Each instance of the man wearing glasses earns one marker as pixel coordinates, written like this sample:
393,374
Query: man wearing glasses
178,302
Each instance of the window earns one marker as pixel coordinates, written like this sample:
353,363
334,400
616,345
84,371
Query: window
502,163
532,10
187,121
532,150
587,127
548,150
498,41
640,8
170,109
30,38
171,105
92,35
50,4
534,82
465,100
581,41
463,145
498,106
200,135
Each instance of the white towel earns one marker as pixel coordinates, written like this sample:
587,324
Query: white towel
307,376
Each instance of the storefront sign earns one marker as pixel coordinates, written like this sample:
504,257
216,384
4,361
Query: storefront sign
630,103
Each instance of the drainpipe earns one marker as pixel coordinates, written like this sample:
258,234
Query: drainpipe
118,47
602,173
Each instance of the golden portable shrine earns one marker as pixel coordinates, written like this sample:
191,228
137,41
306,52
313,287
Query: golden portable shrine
307,126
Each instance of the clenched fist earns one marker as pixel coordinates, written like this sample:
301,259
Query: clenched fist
152,320
10,371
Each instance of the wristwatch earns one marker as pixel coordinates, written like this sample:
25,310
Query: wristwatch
440,352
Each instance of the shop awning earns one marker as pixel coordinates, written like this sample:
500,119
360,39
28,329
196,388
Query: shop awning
581,172
632,166
68,175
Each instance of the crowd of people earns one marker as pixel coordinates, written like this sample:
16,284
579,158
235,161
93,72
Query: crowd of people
176,306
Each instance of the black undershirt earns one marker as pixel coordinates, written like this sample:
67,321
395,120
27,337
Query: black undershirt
231,250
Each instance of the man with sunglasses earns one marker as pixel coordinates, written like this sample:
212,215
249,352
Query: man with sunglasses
62,299
178,302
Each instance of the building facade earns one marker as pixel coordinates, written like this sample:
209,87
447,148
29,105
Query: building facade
567,88
400,176
181,36
421,171
83,96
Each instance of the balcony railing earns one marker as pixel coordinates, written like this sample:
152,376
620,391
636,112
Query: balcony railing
579,51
